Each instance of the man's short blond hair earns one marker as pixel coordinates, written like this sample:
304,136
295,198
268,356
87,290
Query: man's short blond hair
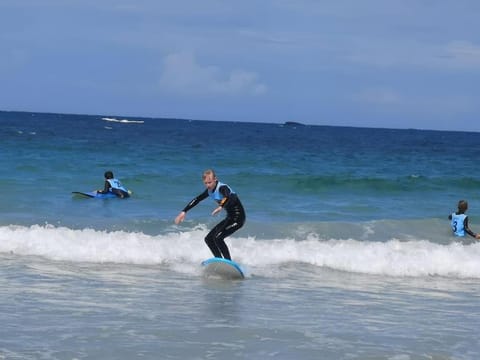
209,172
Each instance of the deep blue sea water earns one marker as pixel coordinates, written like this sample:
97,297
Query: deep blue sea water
347,246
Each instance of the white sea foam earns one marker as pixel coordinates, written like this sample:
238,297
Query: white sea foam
124,121
390,258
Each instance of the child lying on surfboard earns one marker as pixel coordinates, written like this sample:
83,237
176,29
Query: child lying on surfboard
114,186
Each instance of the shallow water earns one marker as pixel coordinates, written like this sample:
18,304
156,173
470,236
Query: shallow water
347,249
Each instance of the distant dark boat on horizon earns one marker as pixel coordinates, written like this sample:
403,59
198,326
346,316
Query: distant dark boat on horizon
293,123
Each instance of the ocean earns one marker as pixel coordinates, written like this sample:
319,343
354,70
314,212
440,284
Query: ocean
347,248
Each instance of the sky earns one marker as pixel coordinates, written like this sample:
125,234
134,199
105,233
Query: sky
368,63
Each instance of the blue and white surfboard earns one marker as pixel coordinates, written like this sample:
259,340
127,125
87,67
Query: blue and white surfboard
223,268
95,195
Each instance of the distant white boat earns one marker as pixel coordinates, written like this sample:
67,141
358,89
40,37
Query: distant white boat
124,121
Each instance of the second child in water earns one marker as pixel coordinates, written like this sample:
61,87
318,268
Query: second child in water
459,221
114,186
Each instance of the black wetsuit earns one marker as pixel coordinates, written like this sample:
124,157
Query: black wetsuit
234,220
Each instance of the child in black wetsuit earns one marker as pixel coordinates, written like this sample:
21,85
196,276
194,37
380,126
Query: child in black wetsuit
226,199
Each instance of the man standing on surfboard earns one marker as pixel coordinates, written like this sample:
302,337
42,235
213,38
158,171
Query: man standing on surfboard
226,199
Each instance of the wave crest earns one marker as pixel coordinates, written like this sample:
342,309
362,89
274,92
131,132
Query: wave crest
415,258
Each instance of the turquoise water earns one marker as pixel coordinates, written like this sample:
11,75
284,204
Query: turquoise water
347,248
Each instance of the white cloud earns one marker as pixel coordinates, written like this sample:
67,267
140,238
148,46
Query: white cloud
378,96
182,74
462,54
438,105
13,59
454,55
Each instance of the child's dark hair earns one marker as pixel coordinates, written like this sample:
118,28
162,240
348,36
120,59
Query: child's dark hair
462,206
108,175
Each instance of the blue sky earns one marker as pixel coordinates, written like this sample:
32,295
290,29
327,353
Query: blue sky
373,63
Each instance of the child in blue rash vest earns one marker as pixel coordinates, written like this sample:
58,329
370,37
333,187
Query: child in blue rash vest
114,186
226,199
459,221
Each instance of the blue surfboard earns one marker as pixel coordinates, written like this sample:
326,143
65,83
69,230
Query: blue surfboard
223,268
95,195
